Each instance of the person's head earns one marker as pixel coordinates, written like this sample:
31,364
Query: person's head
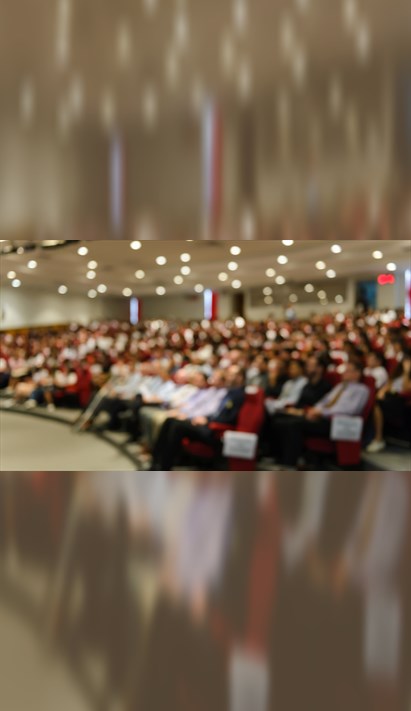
236,376
375,360
315,367
353,372
198,379
296,369
217,379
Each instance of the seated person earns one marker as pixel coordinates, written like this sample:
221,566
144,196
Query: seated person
376,369
174,431
390,405
291,390
313,391
199,400
277,376
348,398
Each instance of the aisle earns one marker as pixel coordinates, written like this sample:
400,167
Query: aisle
37,444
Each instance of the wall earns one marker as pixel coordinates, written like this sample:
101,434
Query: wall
32,307
182,307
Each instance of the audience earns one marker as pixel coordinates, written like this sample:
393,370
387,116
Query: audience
166,381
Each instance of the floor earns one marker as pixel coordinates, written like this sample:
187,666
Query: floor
39,444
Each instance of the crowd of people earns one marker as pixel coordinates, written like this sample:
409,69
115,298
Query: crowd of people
166,383
219,590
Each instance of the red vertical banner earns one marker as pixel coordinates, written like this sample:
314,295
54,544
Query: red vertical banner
215,306
211,305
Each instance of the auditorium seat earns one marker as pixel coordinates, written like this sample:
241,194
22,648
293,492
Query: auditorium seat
250,421
346,453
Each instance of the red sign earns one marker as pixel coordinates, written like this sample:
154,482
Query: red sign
384,279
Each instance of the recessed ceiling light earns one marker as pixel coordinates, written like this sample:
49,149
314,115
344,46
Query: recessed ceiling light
32,264
235,251
336,249
223,276
199,288
391,267
11,275
185,257
140,274
16,283
288,242
136,245
282,259
270,273
331,274
161,291
280,280
82,251
309,288
178,280
321,266
92,265
186,271
232,266
92,294
161,261
102,288
91,274
62,289
127,292
236,284
377,254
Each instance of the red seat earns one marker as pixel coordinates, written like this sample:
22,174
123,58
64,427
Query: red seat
333,378
347,453
250,420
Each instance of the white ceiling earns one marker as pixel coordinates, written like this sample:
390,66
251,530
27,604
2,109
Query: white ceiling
117,264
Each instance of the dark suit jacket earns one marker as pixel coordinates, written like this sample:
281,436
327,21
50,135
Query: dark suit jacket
230,407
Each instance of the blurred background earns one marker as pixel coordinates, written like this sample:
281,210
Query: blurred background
192,591
183,119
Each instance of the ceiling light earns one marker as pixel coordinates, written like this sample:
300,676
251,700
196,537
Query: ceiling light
16,283
288,242
185,257
282,259
236,284
11,275
321,266
235,251
92,294
161,291
223,276
336,249
161,261
391,267
32,264
186,271
232,266
322,294
280,280
102,288
136,245
62,290
178,280
309,288
339,299
91,274
270,273
267,291
140,274
92,265
199,288
377,254
331,274
268,300
293,299
127,292
82,251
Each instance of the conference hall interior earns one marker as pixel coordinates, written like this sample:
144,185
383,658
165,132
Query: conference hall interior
151,355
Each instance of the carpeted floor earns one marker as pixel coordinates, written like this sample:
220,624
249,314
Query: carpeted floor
37,444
